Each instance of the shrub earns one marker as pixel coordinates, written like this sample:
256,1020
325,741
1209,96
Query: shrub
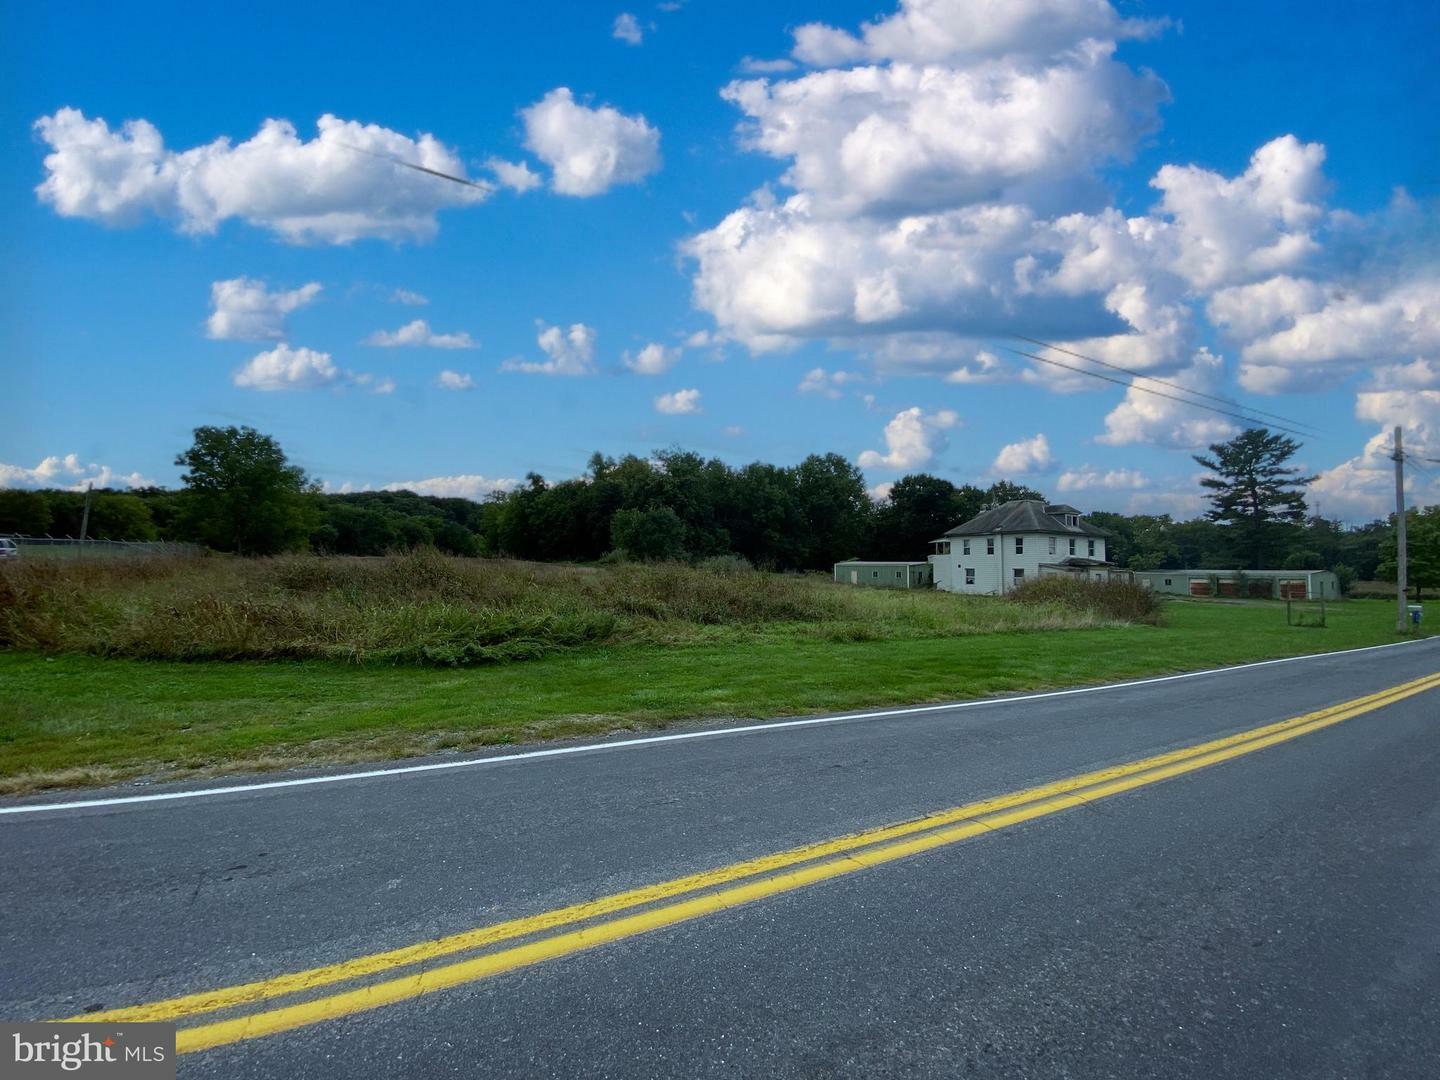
1120,600
1346,576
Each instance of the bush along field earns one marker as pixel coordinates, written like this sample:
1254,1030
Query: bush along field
169,669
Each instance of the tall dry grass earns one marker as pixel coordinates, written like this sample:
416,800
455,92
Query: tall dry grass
1123,601
426,608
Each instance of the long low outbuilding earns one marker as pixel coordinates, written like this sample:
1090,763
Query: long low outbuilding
885,575
1266,584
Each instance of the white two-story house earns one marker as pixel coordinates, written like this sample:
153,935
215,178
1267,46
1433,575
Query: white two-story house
1016,541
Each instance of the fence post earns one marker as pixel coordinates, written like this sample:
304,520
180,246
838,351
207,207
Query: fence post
85,520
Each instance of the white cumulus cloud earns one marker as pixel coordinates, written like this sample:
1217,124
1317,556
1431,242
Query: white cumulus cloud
1256,223
417,334
1363,487
1147,418
902,137
943,186
515,175
880,492
1347,333
331,189
454,380
1249,311
463,486
752,65
245,310
828,384
375,384
934,31
912,438
1030,455
653,359
678,403
589,150
627,29
1089,478
286,368
68,472
570,352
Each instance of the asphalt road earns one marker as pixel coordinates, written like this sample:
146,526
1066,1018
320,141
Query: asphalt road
1272,915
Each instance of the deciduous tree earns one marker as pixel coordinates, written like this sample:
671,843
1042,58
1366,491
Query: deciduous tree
242,494
1422,551
24,512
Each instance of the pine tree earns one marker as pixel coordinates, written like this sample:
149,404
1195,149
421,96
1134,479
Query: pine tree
1254,494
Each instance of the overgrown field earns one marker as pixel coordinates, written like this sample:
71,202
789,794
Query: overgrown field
433,609
71,718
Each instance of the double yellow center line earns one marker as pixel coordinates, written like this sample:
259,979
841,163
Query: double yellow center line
578,927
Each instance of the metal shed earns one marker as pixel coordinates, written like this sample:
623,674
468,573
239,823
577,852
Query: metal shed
1265,584
885,575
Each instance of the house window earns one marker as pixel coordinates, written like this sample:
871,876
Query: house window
990,545
874,573
1019,575
1091,546
1019,545
1072,547
964,547
1052,545
1167,581
969,576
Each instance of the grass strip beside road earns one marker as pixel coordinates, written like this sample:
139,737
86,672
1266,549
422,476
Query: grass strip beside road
679,900
72,720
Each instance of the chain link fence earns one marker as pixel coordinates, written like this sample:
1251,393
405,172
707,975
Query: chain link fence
66,547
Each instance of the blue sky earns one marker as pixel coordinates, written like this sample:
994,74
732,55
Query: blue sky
899,200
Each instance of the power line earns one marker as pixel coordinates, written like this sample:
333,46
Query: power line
1162,382
1251,420
1412,459
1414,463
418,168
1415,458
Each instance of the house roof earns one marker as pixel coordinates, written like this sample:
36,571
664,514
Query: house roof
1232,573
1076,561
1026,516
883,562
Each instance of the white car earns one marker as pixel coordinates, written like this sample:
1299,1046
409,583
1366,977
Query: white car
9,549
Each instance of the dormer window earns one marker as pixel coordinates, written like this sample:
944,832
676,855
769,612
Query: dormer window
1072,520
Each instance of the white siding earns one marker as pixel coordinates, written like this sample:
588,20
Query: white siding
994,573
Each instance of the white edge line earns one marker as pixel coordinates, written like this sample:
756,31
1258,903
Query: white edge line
650,740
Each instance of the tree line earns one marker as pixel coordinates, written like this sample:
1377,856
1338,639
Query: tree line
241,494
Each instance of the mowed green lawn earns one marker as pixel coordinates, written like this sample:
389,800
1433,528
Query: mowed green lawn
74,719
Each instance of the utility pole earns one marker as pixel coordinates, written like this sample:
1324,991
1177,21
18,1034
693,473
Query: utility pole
85,518
1401,621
